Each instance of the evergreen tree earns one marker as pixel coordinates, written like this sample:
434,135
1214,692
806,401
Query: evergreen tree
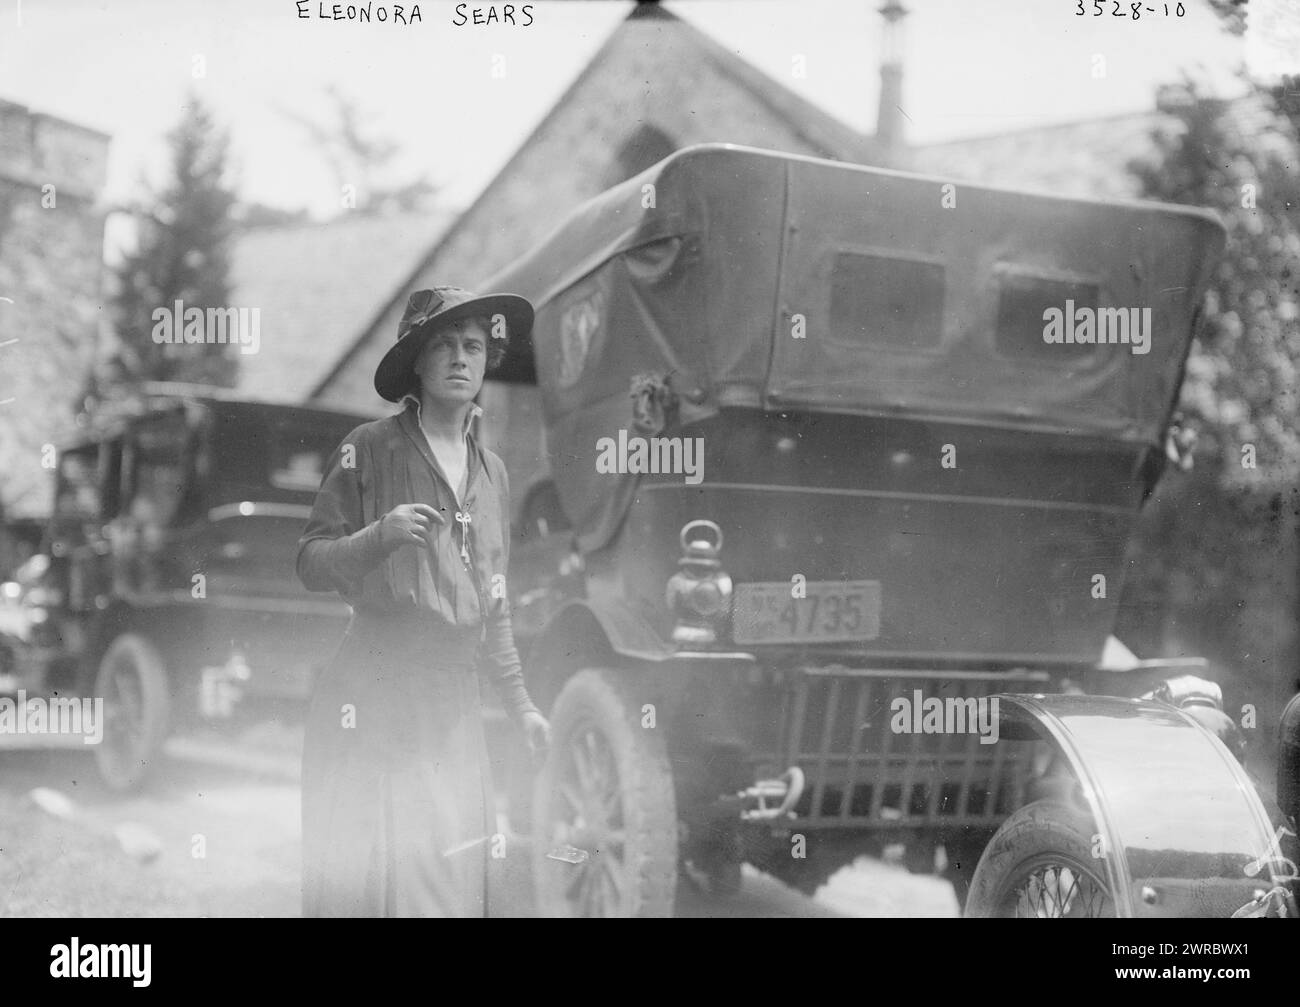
183,254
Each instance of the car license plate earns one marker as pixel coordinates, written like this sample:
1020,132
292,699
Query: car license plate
831,610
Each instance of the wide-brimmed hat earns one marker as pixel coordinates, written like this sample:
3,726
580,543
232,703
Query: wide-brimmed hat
427,312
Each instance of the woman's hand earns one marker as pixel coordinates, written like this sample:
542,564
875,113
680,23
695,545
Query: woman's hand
537,731
409,524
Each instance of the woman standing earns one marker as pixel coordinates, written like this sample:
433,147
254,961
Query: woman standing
411,526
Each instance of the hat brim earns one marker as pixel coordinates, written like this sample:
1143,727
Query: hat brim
395,373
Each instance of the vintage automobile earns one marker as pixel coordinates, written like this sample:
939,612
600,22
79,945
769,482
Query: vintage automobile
832,471
165,584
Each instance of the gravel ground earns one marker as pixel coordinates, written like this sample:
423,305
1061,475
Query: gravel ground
224,845
244,819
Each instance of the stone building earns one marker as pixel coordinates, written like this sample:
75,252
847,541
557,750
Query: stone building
52,173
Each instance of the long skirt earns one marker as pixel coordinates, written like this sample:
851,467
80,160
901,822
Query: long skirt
396,790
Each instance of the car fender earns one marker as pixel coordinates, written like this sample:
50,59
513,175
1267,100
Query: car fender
586,631
1180,827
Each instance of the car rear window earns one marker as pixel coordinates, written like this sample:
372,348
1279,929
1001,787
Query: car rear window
1022,300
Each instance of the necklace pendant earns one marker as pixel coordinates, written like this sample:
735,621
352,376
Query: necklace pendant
462,518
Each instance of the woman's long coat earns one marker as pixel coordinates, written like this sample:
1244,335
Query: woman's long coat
397,813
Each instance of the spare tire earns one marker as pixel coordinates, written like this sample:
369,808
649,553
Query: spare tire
1040,864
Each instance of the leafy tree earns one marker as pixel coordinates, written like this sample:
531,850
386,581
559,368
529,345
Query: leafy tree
1215,565
1232,13
1239,159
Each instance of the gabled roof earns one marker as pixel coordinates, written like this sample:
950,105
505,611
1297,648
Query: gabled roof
316,286
1085,157
1082,158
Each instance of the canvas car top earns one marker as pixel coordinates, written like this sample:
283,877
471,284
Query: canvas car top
887,293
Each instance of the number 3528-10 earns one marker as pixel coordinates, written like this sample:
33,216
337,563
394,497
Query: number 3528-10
1132,11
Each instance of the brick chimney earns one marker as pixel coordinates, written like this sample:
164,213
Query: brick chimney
889,115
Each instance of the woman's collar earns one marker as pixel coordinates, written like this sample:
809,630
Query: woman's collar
475,410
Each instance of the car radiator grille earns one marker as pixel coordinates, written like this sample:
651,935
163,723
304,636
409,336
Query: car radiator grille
859,772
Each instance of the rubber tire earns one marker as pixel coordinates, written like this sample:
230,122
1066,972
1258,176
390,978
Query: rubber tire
602,699
1044,827
963,852
143,659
